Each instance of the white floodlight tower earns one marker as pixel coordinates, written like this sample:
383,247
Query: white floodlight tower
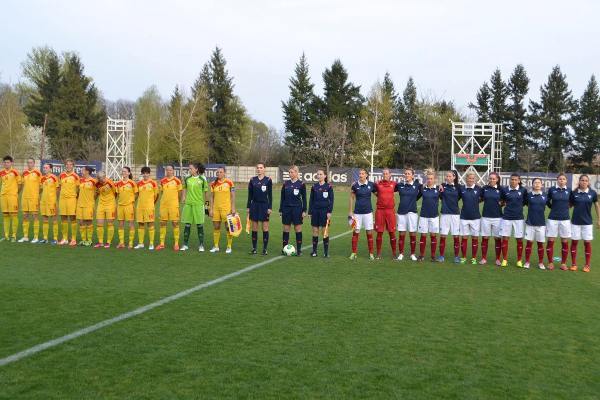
477,145
119,146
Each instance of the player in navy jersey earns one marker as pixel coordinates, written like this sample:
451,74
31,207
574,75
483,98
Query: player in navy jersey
559,222
582,199
428,217
260,205
385,218
470,218
360,213
292,208
535,225
491,217
409,191
514,197
320,209
450,215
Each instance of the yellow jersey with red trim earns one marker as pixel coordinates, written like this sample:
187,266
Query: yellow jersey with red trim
170,188
147,194
11,180
31,184
106,193
50,186
222,193
69,183
126,190
87,193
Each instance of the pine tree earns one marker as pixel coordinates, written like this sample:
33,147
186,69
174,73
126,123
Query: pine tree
498,108
551,118
341,100
299,112
77,114
226,117
409,138
587,128
515,135
482,107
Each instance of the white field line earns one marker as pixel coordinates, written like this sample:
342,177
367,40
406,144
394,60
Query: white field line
141,310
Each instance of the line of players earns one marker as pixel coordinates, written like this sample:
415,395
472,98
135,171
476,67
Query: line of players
502,217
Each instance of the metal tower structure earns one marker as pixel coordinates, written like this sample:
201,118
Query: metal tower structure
119,146
478,147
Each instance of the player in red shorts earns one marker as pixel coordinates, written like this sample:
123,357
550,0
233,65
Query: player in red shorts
385,215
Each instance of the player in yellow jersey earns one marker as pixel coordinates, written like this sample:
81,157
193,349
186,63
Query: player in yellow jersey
85,206
127,191
67,203
222,203
9,199
48,203
170,187
30,201
147,196
106,210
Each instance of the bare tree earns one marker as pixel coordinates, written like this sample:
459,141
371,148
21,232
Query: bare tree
149,121
13,129
327,141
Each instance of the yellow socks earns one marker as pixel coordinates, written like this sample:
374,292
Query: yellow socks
83,233
111,233
74,230
36,228
163,234
90,232
15,224
26,227
229,240
45,229
141,234
151,234
216,237
176,234
122,235
65,230
100,233
55,230
6,220
131,236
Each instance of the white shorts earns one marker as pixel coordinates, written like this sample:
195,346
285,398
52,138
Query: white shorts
364,221
490,227
507,226
560,229
582,232
429,225
407,222
470,227
450,223
535,233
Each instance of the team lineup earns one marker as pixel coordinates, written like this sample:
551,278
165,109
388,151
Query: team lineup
73,202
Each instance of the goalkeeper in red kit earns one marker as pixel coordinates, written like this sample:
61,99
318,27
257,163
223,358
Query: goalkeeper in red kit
385,215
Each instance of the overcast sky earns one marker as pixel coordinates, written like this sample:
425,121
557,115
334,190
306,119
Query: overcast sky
449,47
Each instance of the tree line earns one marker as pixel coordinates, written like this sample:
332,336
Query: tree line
57,110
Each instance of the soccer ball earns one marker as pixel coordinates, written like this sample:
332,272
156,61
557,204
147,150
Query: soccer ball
289,250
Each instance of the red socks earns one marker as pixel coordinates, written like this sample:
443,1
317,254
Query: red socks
422,244
463,247
574,251
354,242
442,245
413,243
370,242
433,244
540,249
505,248
401,237
456,245
379,242
498,243
528,250
588,252
393,243
474,246
564,252
519,249
550,251
484,247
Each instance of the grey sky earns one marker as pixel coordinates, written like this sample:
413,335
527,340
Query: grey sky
449,47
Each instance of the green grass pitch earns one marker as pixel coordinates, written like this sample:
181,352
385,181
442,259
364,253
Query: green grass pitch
295,328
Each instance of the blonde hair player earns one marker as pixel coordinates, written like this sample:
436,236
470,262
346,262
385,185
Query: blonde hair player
48,204
30,201
222,203
106,210
127,191
360,211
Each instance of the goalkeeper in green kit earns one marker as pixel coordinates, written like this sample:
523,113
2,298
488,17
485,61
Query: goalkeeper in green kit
195,186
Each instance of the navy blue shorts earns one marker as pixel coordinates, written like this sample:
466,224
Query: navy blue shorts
291,215
258,211
318,217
